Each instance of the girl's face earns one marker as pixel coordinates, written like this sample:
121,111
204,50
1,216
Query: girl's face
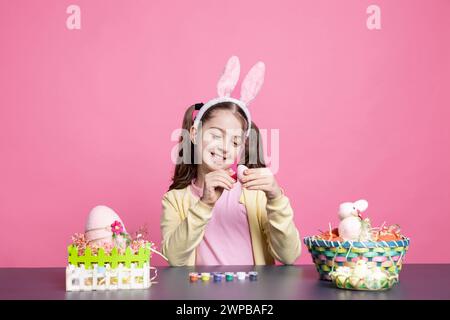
222,141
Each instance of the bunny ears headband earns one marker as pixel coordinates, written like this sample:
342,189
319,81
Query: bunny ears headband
249,89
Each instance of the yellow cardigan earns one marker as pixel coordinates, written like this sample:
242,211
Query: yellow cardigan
272,229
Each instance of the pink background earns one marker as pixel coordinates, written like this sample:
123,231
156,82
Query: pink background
86,115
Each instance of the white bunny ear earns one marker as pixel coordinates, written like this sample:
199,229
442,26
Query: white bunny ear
253,82
229,78
361,205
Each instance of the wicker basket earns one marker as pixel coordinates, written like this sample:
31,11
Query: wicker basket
328,255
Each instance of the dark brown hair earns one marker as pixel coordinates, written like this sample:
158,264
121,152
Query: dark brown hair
185,172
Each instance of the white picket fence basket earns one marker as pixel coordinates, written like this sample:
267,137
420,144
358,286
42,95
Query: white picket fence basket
114,271
78,278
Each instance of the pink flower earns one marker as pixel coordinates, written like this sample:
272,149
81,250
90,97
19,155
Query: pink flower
117,227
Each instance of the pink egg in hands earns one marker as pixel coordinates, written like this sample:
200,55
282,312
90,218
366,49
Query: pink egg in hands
240,171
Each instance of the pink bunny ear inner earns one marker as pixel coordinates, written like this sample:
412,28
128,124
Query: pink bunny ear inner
229,78
253,82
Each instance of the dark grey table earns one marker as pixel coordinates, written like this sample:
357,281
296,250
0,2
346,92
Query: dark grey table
430,281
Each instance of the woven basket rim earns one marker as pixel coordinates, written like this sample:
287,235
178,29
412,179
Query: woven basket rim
309,241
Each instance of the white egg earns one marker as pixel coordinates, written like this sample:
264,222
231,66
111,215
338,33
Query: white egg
343,271
361,270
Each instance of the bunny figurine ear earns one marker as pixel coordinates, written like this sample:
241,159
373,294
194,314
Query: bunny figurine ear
253,82
361,205
229,78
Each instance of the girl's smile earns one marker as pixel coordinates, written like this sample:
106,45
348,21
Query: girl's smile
218,158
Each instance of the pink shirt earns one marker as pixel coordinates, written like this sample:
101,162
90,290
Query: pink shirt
227,238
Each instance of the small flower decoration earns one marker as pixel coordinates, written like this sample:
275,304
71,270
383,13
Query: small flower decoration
117,228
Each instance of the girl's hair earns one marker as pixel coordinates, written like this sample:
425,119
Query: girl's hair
185,172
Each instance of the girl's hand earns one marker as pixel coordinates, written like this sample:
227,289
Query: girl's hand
261,179
215,183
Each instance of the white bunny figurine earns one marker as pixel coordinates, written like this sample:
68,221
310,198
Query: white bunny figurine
351,225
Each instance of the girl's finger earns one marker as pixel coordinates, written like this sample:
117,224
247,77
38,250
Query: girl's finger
223,185
263,171
263,187
223,180
249,171
256,182
220,184
225,175
250,177
256,175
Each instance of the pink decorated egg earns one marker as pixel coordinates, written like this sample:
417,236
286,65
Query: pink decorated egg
98,225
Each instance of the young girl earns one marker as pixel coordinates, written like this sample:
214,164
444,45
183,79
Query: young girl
211,218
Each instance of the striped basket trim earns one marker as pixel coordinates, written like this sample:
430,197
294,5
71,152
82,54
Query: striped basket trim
313,241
